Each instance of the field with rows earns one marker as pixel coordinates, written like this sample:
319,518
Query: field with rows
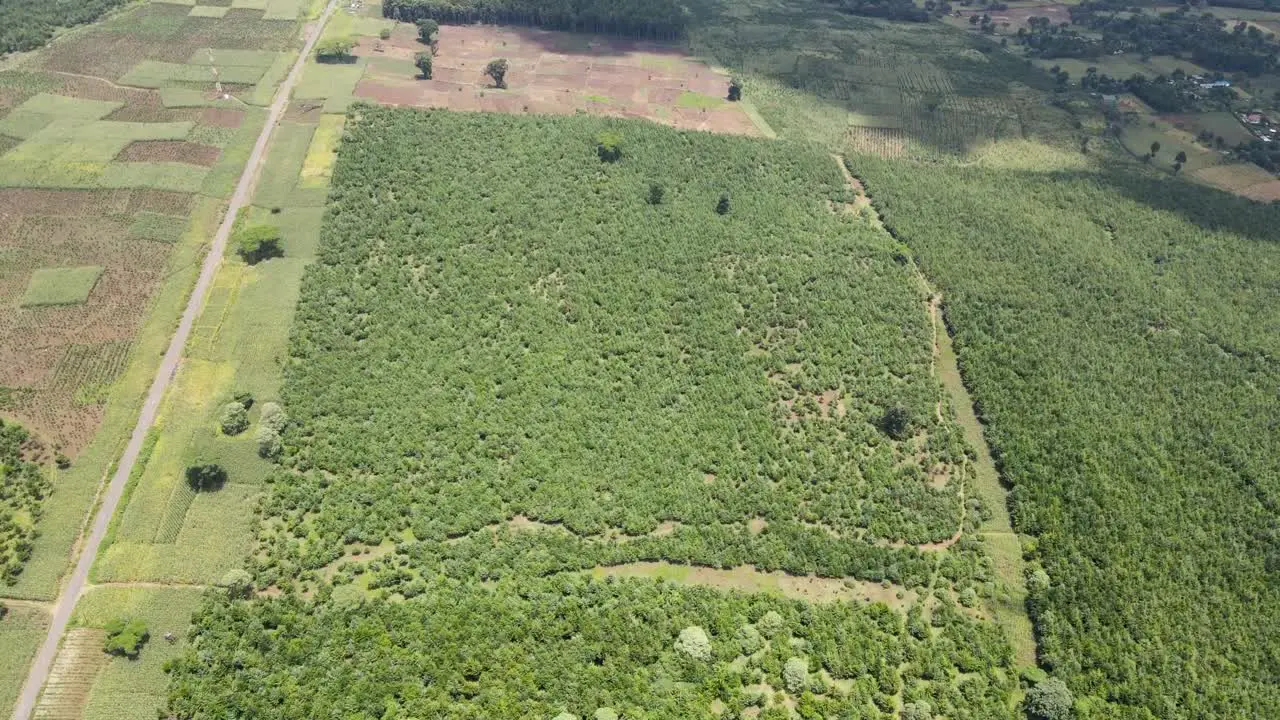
119,144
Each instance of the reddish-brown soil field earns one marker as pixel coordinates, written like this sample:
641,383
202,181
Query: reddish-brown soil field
170,151
553,73
66,357
222,117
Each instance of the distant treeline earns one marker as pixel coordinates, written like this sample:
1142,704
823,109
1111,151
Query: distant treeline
903,10
657,19
28,24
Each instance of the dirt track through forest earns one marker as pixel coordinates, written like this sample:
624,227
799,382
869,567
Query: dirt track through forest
61,617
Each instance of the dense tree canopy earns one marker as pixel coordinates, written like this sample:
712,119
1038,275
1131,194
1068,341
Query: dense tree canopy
665,19
28,24
1120,336
537,649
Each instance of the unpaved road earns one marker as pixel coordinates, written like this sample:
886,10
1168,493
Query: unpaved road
75,585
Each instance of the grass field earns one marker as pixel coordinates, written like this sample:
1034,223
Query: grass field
22,629
61,286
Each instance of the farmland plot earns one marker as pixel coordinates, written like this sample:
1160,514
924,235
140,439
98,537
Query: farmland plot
117,154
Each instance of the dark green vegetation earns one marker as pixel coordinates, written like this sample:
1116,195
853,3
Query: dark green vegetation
28,24
664,19
1197,36
256,243
126,636
23,487
593,364
1121,335
534,649
512,364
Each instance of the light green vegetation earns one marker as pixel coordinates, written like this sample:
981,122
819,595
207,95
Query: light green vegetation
1138,138
76,487
209,11
1121,66
278,185
22,629
1112,326
61,286
317,168
157,227
698,101
333,83
133,689
154,74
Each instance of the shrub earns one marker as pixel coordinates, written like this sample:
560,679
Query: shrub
126,637
427,29
256,243
693,641
896,422
795,675
334,50
722,206
771,623
497,69
422,61
609,146
1049,700
384,34
656,193
269,445
273,416
234,419
206,476
735,90
238,582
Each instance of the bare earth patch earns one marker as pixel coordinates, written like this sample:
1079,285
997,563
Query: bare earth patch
554,73
170,151
745,578
222,117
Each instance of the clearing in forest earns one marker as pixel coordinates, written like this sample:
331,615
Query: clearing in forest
553,73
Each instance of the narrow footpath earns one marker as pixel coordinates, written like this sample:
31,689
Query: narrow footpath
75,585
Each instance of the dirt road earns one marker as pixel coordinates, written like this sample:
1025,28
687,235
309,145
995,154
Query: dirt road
75,585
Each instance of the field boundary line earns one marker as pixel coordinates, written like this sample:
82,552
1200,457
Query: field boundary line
38,673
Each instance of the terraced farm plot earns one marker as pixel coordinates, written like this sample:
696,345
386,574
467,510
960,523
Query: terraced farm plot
552,73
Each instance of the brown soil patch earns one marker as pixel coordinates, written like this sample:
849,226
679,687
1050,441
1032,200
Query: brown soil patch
1264,192
165,202
222,117
553,73
170,151
30,201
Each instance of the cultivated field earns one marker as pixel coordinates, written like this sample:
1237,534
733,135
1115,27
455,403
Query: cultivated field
117,152
552,73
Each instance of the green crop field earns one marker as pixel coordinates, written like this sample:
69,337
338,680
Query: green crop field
21,631
61,286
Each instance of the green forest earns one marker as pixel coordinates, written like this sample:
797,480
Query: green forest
572,647
28,24
1120,337
23,486
507,323
662,19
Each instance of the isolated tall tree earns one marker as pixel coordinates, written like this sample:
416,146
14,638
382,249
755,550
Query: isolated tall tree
423,61
497,69
1155,148
735,90
1180,158
427,29
1049,700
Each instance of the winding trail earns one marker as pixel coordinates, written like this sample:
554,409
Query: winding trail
75,586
